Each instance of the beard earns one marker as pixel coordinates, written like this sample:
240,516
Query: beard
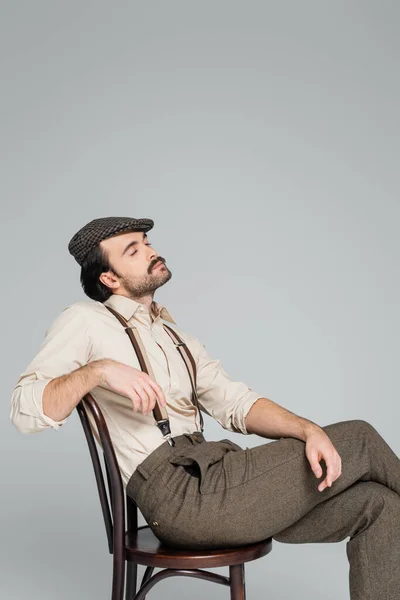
138,287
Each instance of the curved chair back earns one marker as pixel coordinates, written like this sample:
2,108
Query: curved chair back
112,505
125,546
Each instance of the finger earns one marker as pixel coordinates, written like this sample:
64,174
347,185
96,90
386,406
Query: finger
322,485
337,466
152,397
315,466
135,400
331,470
158,391
340,466
144,398
334,470
330,474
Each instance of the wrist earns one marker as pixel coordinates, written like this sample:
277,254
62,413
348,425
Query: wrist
310,428
99,369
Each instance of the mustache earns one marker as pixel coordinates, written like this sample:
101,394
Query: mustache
160,259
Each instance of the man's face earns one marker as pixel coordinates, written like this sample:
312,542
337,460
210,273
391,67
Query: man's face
139,270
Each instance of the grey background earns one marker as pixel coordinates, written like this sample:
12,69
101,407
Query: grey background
263,139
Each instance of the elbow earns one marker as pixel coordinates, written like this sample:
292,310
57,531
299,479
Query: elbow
22,421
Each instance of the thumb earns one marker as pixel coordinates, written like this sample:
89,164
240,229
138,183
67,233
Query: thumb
315,466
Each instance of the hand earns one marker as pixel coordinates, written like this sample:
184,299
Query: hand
134,384
318,446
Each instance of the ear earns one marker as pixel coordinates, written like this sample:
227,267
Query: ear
109,279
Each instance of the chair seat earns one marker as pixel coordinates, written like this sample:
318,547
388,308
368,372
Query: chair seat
144,548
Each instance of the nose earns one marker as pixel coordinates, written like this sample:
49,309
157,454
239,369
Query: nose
152,253
153,258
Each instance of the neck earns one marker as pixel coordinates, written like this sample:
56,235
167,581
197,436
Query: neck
146,301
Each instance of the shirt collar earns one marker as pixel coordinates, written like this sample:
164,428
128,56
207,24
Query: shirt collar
127,307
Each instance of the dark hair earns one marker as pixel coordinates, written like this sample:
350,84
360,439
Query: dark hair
94,264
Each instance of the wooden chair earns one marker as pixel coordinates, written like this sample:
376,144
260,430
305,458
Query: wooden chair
138,545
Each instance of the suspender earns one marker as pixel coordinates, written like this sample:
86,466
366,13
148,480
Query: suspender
160,412
190,365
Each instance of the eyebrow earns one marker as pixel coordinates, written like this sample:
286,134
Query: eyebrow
133,244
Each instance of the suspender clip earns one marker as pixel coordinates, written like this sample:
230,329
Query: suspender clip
164,427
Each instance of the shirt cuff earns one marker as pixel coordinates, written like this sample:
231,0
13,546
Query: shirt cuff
33,404
247,401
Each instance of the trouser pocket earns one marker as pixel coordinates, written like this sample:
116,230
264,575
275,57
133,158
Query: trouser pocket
198,459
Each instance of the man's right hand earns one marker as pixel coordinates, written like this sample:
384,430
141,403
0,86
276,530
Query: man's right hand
134,384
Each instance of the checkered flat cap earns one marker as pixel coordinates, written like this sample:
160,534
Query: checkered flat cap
91,234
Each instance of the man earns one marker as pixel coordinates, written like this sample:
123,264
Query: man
200,493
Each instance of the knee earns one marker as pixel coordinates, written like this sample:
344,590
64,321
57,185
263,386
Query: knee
360,427
353,428
386,499
375,501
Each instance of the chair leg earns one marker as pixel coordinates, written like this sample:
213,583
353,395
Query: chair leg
237,582
131,580
118,576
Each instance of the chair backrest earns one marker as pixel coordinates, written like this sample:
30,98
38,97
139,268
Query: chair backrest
114,504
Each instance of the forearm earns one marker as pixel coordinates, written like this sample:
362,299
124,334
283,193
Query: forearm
62,394
270,420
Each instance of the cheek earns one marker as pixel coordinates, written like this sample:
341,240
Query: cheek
135,267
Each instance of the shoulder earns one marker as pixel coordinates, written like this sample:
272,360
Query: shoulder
86,308
77,314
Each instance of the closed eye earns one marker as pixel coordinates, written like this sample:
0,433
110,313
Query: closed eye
132,253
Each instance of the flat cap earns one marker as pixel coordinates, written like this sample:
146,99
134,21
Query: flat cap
91,234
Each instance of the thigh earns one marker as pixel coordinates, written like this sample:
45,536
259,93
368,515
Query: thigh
253,493
256,492
281,468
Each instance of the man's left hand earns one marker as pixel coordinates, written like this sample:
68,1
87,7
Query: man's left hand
319,446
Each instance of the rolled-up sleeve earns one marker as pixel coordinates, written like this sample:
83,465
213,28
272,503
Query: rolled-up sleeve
226,400
65,348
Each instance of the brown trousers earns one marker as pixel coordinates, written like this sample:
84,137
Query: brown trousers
205,494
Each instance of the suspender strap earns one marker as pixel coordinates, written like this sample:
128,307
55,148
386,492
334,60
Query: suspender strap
160,412
190,365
